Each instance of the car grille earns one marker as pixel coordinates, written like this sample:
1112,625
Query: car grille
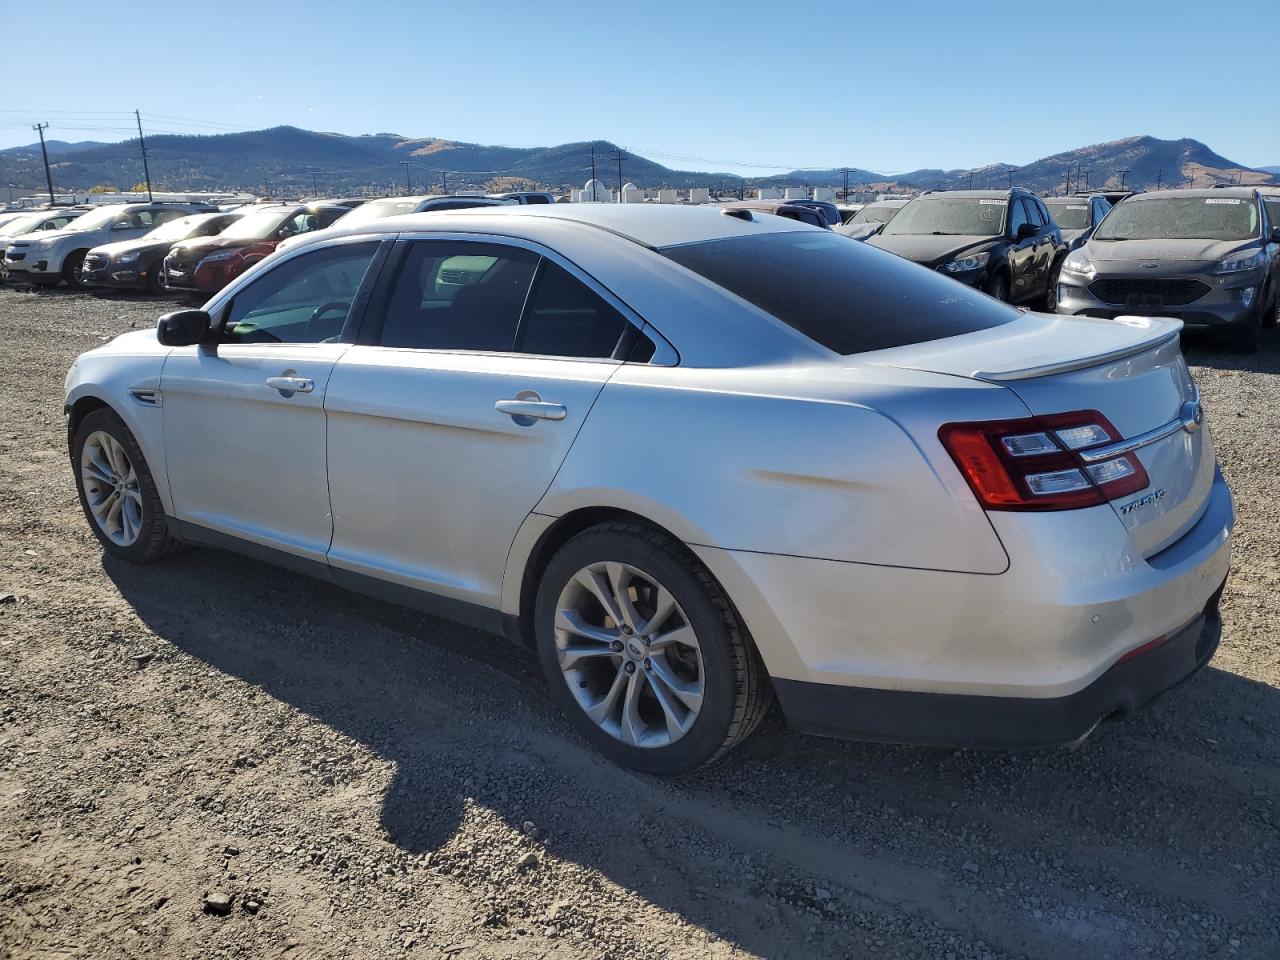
96,261
1152,292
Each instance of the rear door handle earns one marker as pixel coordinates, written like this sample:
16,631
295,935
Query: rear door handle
288,386
525,412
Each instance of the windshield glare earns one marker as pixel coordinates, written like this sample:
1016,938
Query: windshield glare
1181,218
1069,216
178,229
19,225
875,214
967,217
377,209
95,219
258,225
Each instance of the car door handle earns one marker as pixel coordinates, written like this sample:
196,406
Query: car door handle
291,385
530,410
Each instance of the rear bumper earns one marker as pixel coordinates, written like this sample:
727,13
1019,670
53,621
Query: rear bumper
905,716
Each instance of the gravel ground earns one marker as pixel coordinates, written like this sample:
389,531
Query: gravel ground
215,758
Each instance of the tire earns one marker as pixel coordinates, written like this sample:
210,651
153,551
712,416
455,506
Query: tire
721,664
157,280
1273,315
146,520
71,270
1051,294
998,287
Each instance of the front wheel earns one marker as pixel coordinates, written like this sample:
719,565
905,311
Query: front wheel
643,651
1051,295
117,491
73,270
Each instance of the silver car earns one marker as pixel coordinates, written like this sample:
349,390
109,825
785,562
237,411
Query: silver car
698,460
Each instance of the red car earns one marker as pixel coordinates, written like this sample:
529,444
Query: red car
207,264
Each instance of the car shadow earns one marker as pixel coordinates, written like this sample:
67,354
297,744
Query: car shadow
466,721
1205,349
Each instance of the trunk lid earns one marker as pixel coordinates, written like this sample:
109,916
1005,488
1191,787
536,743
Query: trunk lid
1131,370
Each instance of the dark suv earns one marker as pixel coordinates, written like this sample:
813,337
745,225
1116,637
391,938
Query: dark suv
1211,258
208,264
1001,241
1078,216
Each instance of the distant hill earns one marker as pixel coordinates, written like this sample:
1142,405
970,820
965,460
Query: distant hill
288,160
1270,169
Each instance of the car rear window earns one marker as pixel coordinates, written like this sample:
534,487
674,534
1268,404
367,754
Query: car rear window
845,295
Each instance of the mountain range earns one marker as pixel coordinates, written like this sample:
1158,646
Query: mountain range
289,160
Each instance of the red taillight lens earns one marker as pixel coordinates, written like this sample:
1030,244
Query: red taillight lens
1032,464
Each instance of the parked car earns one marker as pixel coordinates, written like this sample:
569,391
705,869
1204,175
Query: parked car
788,209
848,210
26,224
694,460
870,220
57,256
1077,216
1211,258
828,210
207,264
140,263
1001,241
526,196
398,206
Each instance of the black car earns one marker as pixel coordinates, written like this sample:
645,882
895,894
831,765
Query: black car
1001,241
828,210
139,263
1077,216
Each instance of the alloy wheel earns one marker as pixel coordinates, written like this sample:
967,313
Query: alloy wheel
111,488
629,655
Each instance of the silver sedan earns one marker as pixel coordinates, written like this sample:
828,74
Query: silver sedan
700,460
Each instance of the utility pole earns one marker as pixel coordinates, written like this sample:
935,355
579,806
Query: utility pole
408,184
444,180
1086,179
1159,179
593,171
970,179
1010,172
1123,173
142,144
48,176
619,174
315,189
845,196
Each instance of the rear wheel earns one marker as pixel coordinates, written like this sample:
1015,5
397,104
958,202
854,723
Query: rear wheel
117,491
72,270
643,651
998,287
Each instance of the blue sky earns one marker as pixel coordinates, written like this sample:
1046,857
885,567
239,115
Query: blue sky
886,86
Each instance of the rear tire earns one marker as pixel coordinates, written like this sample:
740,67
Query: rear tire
117,492
666,709
998,287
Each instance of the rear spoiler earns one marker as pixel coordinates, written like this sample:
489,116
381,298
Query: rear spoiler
1082,362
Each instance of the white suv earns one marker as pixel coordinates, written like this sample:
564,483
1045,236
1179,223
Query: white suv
57,255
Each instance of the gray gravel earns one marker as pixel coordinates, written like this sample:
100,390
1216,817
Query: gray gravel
217,758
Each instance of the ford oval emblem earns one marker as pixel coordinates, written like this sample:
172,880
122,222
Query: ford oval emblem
1192,416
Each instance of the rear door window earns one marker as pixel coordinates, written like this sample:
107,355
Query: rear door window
847,296
565,318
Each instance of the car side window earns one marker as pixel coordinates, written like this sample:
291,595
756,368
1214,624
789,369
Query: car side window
458,295
164,216
1017,217
566,318
1033,213
304,300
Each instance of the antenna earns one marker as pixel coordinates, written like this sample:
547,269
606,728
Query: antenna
142,144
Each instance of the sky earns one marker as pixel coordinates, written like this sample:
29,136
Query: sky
746,87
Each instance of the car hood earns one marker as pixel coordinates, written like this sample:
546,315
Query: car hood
52,235
1157,250
203,246
928,249
141,245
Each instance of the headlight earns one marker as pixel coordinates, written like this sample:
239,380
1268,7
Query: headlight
128,257
974,261
1241,262
43,244
221,255
1078,265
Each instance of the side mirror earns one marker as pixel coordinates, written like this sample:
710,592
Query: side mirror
1026,230
1275,234
183,328
284,233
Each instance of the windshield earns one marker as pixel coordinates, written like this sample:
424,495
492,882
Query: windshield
846,296
377,209
258,225
950,216
12,227
1181,218
96,219
178,229
875,213
1070,215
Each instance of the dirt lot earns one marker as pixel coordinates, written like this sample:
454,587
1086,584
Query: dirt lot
364,782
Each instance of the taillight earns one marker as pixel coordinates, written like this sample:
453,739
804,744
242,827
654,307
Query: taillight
1033,464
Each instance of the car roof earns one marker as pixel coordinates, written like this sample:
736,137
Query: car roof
651,225
973,194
